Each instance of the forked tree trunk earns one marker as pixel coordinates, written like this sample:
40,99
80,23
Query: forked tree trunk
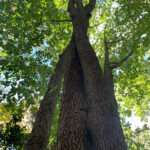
89,112
103,122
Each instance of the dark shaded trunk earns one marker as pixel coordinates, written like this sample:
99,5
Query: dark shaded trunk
73,115
110,135
89,113
41,128
103,122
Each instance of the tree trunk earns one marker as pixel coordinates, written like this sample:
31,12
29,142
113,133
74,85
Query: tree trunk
103,122
73,116
41,129
89,113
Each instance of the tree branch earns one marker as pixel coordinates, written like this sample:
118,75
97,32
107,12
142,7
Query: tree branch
61,21
79,4
89,7
71,7
118,64
106,50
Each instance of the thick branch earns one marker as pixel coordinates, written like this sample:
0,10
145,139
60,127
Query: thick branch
41,128
88,59
89,7
118,64
79,4
71,7
74,6
89,62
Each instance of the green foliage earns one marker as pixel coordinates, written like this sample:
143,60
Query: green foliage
138,139
29,39
12,135
55,127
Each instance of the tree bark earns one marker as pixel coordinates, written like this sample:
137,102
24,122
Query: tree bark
41,129
103,122
89,113
73,115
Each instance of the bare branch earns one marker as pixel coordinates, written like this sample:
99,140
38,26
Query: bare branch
106,49
74,6
118,64
71,7
61,21
95,25
117,40
79,4
89,7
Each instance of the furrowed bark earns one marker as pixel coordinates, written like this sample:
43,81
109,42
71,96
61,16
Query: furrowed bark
89,113
41,128
73,117
89,61
110,136
86,53
103,123
92,76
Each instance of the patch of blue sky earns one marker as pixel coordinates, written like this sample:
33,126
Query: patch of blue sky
100,1
118,71
45,43
146,57
48,62
34,54
136,122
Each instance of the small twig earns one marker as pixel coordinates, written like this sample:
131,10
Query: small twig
61,21
118,64
95,25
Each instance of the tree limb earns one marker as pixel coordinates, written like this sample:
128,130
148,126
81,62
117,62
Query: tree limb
71,7
79,4
114,65
106,50
64,20
90,6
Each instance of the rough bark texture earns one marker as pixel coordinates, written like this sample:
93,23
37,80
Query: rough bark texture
103,122
89,112
73,116
41,129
